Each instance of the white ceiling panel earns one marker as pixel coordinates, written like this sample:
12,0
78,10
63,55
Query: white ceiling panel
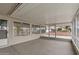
46,13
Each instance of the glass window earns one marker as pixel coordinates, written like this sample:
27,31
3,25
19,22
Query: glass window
21,29
47,31
43,29
3,29
26,29
63,31
35,29
52,31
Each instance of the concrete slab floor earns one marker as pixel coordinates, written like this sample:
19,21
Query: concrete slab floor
40,47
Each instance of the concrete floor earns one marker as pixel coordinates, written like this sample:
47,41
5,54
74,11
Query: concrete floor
41,46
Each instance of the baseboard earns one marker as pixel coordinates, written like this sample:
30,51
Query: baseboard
75,48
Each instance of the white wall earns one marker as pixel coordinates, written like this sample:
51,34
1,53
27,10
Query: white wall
17,39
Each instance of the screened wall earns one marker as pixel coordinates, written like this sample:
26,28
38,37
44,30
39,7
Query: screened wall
21,29
60,30
35,29
75,33
43,29
3,32
3,29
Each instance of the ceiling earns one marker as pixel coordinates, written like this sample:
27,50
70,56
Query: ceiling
6,8
41,13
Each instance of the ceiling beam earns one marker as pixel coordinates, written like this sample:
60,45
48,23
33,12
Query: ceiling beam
14,8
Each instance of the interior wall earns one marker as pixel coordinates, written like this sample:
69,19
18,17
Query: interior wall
17,39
